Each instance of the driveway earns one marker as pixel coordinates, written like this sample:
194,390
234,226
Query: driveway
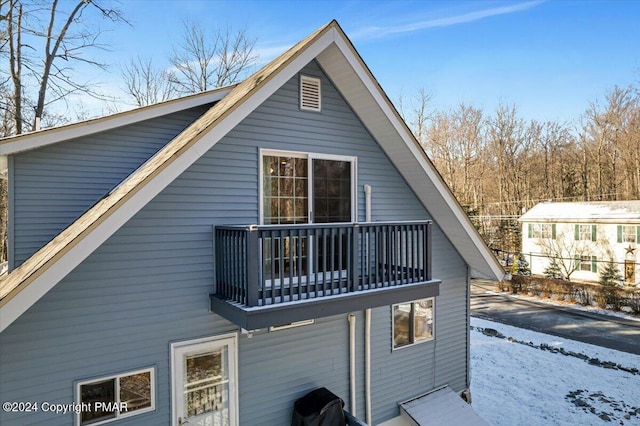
602,330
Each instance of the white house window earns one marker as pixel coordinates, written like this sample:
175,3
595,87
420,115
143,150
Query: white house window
585,232
413,322
587,263
541,230
115,397
629,234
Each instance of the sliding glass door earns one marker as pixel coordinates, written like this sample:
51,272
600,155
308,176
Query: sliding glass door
300,188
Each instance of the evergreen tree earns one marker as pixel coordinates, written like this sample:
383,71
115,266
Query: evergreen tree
610,276
610,279
553,270
521,266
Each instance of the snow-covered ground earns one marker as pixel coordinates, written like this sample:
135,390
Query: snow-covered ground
546,380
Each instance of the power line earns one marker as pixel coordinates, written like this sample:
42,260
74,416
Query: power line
538,200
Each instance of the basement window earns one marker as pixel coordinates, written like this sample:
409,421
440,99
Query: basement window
115,397
413,322
586,263
310,93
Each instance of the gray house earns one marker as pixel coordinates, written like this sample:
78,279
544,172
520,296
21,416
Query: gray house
212,259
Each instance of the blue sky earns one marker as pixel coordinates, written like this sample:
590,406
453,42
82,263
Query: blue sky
549,58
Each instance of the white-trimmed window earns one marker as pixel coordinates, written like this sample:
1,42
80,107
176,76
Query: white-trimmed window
413,322
542,230
585,232
586,263
115,397
299,187
628,233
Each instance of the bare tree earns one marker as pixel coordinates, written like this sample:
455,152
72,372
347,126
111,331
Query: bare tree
563,250
509,146
421,113
146,83
609,139
14,38
203,61
55,40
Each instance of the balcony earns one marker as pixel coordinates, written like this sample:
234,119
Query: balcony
279,274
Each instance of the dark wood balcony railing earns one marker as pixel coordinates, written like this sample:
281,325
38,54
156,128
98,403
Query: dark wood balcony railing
273,264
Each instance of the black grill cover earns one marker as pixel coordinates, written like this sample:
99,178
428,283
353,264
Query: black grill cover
319,407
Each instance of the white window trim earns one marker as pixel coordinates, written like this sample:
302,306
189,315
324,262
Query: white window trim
419,342
585,231
117,377
309,156
204,343
633,234
588,260
543,231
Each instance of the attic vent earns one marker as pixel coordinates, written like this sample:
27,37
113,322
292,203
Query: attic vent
310,93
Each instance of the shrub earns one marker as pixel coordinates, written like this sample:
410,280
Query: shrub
633,301
517,284
610,281
521,266
581,295
553,271
610,275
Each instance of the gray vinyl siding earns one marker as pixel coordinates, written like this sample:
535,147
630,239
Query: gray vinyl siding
279,367
148,286
54,185
402,374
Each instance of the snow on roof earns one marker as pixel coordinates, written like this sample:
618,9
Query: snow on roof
593,211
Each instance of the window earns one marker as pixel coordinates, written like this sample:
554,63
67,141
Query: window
299,187
585,232
586,263
115,397
285,189
413,322
542,230
628,234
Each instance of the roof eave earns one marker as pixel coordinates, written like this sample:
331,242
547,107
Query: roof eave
37,139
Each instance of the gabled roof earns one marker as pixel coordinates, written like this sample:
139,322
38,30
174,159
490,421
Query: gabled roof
585,212
49,136
336,55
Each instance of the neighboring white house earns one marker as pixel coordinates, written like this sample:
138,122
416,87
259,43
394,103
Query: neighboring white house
583,237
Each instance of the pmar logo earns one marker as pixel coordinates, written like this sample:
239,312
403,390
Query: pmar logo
110,406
